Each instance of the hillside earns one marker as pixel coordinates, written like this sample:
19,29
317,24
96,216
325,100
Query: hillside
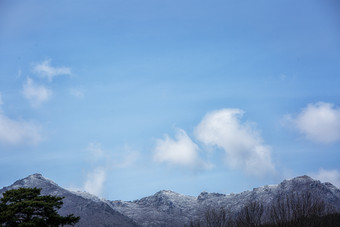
167,208
92,210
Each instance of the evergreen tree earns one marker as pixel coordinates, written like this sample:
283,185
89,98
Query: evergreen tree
26,207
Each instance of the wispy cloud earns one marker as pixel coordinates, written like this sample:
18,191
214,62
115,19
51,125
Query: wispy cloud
104,161
45,70
123,157
16,132
241,142
180,151
95,181
35,94
332,176
319,122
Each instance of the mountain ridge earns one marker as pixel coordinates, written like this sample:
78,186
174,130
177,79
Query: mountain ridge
92,212
169,208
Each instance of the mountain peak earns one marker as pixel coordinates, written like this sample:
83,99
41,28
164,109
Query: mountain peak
34,181
92,212
166,193
303,178
169,208
299,180
36,176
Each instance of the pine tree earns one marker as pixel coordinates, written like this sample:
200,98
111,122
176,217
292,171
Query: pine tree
26,207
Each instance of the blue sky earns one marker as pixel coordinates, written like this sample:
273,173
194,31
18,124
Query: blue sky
125,98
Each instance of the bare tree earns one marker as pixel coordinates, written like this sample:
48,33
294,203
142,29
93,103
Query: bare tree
217,217
280,210
214,217
251,214
297,208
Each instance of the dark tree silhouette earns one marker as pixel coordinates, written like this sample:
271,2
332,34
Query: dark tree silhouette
299,208
217,217
296,209
214,217
251,214
26,207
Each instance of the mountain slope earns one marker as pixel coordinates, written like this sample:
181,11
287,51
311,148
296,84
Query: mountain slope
92,212
167,208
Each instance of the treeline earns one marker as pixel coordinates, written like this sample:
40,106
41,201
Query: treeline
290,210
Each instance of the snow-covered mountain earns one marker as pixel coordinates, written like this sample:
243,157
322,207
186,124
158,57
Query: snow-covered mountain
167,208
92,210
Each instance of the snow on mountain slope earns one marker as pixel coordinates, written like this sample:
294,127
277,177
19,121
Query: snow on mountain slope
92,210
167,208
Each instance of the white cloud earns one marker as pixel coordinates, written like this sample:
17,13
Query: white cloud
122,159
44,69
319,122
332,176
95,181
181,151
36,94
14,132
104,162
241,142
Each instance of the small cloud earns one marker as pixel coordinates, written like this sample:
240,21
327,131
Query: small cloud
36,94
45,70
332,176
95,181
76,92
241,142
181,151
122,159
104,162
319,122
14,132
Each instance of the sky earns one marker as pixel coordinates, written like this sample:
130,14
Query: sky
124,98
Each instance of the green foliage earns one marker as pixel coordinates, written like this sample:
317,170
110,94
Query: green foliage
26,207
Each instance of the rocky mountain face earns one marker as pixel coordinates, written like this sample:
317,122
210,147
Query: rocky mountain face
167,208
92,210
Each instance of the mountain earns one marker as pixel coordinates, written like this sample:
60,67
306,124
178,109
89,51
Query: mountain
92,210
167,208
